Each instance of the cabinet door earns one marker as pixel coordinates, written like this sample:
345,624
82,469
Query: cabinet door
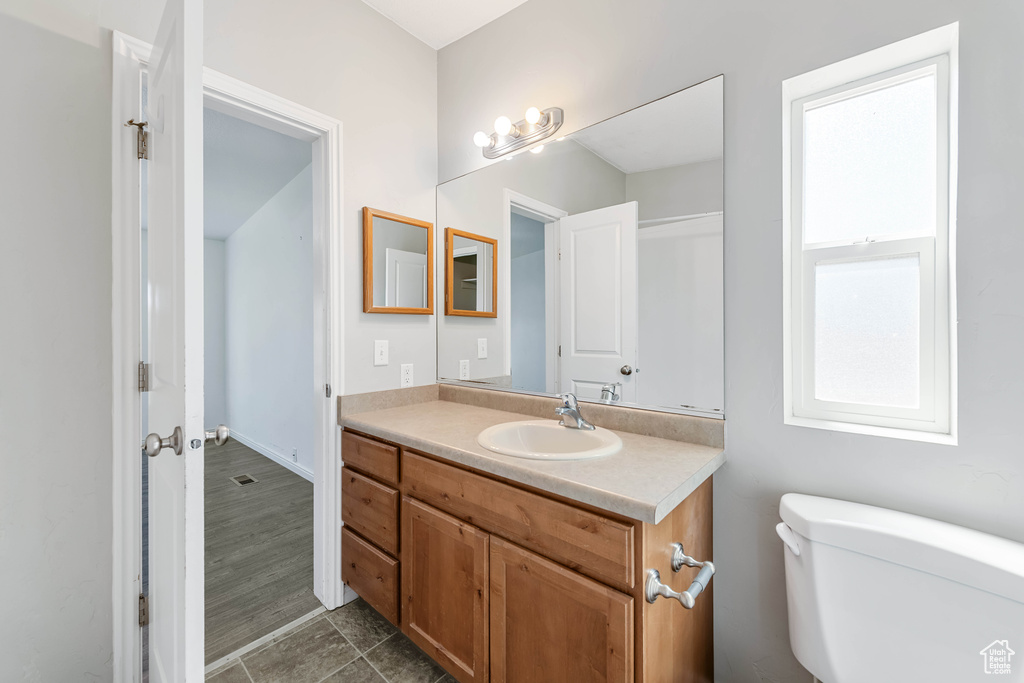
444,589
549,623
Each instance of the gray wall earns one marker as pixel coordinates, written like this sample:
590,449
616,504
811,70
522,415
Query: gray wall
269,326
215,401
55,269
602,58
677,190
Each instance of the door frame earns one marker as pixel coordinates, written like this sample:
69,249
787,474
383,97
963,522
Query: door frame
227,95
549,216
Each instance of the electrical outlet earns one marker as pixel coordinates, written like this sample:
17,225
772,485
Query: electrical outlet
481,347
463,369
380,352
295,455
406,374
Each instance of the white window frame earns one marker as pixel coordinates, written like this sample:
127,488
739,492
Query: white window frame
934,420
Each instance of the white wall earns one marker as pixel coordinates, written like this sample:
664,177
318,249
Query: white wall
214,333
271,391
601,60
55,268
565,175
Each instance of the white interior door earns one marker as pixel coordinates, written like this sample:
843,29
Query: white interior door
598,328
175,260
406,278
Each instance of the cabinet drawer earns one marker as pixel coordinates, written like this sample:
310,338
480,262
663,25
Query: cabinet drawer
593,545
370,508
379,460
370,573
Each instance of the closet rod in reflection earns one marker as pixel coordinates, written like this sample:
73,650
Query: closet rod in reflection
672,219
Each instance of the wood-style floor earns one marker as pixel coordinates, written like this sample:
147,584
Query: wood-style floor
259,548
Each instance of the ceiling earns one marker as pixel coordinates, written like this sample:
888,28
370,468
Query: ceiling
440,22
683,128
244,165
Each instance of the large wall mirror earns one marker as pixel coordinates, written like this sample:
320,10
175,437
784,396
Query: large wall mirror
609,262
398,264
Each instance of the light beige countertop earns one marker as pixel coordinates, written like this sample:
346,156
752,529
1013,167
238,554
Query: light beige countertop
645,481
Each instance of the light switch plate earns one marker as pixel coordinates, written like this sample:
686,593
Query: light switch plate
380,352
481,347
463,369
406,375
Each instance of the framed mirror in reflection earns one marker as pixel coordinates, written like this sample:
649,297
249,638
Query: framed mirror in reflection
471,262
609,252
398,264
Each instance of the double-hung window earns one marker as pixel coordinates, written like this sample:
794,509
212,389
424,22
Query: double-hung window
869,165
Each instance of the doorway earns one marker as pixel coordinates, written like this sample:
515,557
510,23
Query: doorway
258,338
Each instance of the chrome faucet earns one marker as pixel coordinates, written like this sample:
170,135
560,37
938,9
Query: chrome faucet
610,392
570,412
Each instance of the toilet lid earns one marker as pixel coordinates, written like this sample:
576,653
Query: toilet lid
984,561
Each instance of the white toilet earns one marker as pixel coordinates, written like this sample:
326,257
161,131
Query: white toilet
877,596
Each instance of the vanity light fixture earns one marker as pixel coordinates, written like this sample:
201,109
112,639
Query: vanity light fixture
508,136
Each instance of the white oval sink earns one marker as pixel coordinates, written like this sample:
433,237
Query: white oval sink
548,440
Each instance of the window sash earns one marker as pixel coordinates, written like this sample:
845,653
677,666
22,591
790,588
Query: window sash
805,362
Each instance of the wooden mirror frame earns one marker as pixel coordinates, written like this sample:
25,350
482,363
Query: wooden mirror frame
368,307
449,280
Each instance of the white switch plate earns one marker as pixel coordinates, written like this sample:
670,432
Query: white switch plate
380,352
406,375
463,369
481,347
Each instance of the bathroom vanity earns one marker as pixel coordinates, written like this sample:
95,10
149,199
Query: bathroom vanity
510,569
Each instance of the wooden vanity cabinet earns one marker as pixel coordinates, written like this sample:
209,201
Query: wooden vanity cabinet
500,582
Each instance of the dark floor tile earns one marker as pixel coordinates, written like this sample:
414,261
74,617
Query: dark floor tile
400,661
306,656
447,678
362,625
358,671
232,674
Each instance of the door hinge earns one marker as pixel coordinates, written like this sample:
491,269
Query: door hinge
559,254
143,376
559,350
141,137
143,610
328,391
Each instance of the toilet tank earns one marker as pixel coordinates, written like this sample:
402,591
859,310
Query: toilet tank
876,596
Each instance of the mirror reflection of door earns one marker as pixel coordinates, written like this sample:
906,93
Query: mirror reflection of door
599,302
406,276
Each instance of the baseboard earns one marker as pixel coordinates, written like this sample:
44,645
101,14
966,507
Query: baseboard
276,457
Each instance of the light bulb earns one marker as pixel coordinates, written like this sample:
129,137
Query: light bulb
537,150
532,115
503,125
481,139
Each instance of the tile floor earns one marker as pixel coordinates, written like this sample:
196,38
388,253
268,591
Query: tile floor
352,644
